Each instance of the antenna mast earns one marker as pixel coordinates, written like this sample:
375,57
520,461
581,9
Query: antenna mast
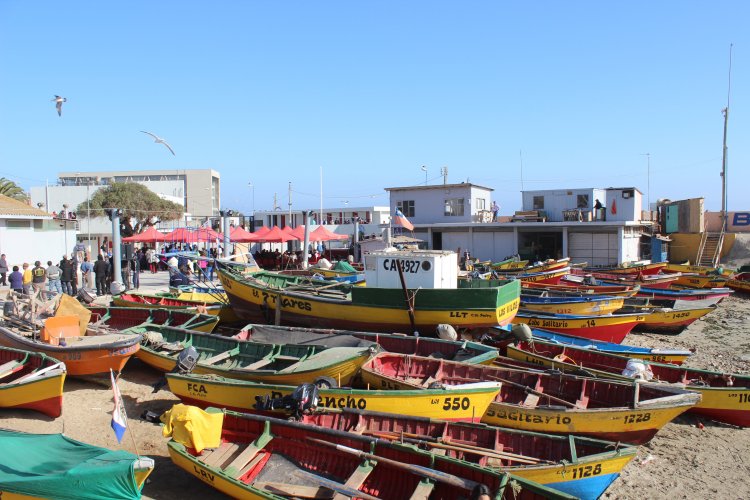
724,215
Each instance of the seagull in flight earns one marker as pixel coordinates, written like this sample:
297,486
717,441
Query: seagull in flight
159,140
58,103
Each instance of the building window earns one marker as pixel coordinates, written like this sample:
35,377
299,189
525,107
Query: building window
406,207
583,201
480,203
538,202
454,207
17,224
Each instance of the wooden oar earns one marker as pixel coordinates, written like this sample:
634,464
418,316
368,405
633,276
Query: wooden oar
435,475
333,485
474,450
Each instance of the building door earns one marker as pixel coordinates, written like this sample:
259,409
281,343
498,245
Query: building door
437,240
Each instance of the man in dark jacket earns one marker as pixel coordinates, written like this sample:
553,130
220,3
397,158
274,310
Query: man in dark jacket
100,273
66,275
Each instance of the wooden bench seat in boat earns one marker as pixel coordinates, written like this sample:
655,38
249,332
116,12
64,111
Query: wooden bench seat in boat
11,367
356,480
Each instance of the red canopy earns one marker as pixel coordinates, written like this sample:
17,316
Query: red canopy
262,231
240,235
180,234
275,235
207,234
150,235
298,232
323,234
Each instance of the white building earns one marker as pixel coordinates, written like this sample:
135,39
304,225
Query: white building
372,219
28,234
618,235
198,191
442,203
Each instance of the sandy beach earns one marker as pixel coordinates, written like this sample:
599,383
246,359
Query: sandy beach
684,460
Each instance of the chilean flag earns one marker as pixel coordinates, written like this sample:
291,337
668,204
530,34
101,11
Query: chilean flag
401,220
119,417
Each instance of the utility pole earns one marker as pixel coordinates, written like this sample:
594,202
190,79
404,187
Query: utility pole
648,180
289,222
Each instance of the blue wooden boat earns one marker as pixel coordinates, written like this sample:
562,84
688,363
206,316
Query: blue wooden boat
671,356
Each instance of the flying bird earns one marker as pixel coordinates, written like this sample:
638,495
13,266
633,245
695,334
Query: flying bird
58,103
159,140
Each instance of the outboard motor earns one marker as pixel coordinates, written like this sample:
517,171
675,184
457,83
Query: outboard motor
186,361
304,399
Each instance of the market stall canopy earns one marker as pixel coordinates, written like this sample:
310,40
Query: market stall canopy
240,235
275,235
150,235
323,234
207,234
262,231
180,234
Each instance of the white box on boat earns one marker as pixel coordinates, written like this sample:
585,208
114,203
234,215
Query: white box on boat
422,268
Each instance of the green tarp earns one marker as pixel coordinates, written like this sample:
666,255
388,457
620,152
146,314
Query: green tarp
344,267
54,466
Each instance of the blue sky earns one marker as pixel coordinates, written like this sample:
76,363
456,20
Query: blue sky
270,92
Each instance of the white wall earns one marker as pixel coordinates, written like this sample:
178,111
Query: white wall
492,246
29,244
597,249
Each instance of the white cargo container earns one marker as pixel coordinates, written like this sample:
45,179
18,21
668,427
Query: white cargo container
421,268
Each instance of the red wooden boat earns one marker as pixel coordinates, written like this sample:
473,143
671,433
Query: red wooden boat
609,328
545,277
263,457
640,269
580,289
725,396
121,318
544,458
656,281
544,402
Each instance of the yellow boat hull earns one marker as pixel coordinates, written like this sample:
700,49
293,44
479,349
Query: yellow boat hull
617,424
44,394
594,308
684,268
697,281
455,405
346,315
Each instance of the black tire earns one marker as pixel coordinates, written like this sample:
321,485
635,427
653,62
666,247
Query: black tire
325,383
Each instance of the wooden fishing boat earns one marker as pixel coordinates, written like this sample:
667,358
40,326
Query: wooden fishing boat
667,320
132,299
241,395
649,269
255,296
261,457
671,356
594,306
509,265
701,270
740,282
61,339
706,296
230,357
724,396
31,381
700,281
544,402
582,467
121,318
56,466
455,350
552,277
579,290
651,281
551,265
609,328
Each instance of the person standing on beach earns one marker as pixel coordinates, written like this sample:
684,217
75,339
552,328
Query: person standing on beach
16,280
66,275
100,271
27,277
53,275
86,270
38,277
135,267
3,270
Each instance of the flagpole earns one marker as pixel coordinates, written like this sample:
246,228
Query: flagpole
127,427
